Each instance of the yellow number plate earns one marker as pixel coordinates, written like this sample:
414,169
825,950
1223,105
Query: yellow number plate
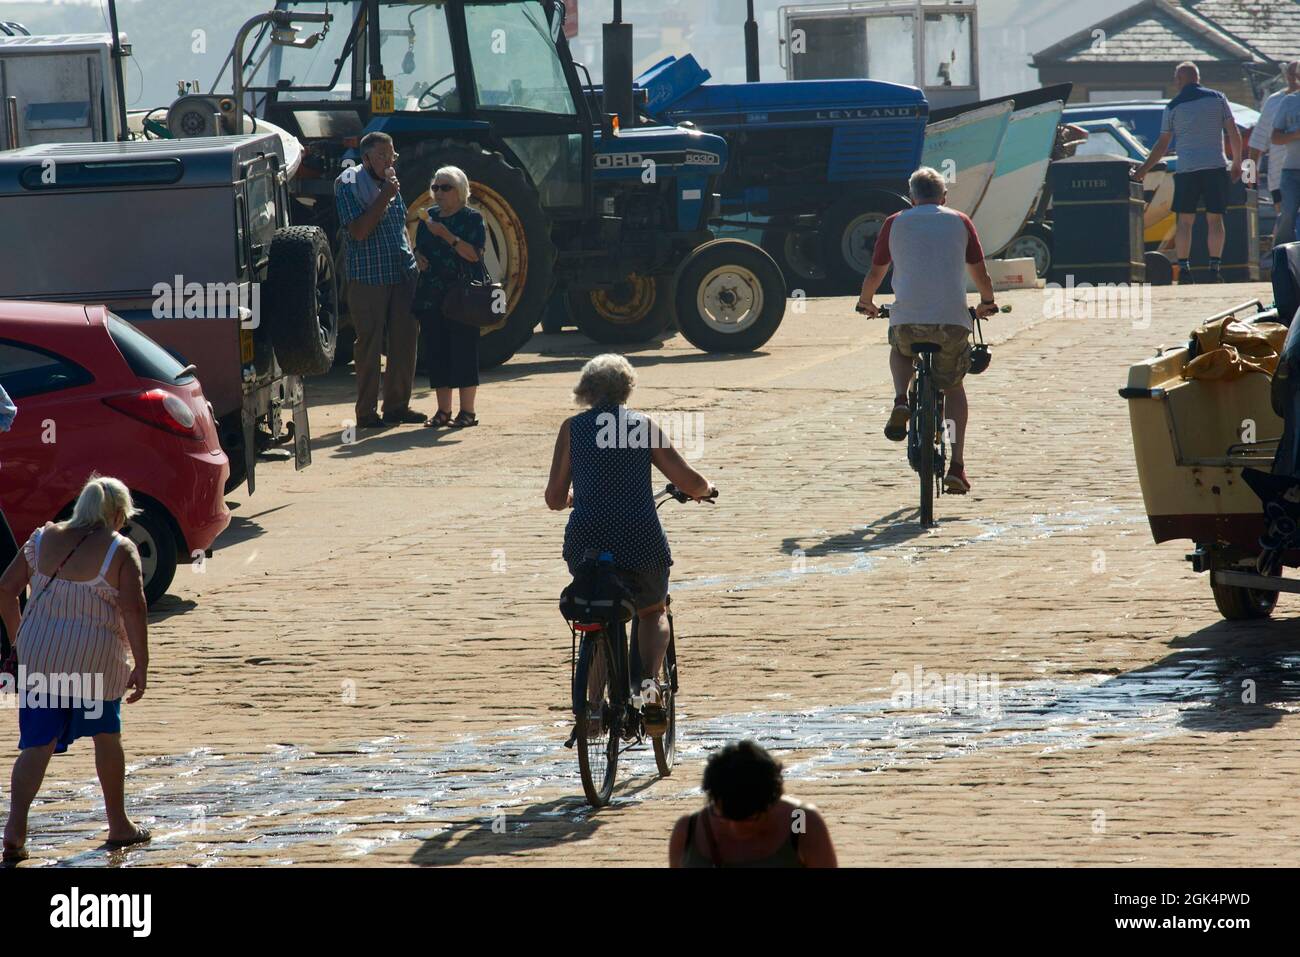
245,346
381,96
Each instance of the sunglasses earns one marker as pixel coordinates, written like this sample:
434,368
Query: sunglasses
441,188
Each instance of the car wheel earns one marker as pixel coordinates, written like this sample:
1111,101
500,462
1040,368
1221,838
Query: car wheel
151,532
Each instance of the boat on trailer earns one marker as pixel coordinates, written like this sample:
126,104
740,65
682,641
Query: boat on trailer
1217,456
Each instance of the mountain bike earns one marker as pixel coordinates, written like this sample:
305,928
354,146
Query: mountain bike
927,429
605,667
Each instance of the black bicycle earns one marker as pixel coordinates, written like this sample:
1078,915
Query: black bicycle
605,667
927,429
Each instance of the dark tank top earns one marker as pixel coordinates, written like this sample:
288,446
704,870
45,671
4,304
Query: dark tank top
787,855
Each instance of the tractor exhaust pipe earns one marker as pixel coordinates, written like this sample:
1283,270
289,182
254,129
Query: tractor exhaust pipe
616,67
751,45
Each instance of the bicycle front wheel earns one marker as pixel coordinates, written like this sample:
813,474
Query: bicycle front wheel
597,745
926,432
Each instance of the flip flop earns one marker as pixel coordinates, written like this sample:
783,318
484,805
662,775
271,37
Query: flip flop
142,836
14,855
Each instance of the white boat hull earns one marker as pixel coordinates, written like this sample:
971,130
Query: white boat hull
1018,179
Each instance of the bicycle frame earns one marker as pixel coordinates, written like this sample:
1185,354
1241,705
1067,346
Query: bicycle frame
927,454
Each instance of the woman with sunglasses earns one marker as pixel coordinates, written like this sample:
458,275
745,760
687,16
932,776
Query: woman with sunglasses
448,244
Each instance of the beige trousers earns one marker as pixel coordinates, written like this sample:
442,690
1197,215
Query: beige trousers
376,310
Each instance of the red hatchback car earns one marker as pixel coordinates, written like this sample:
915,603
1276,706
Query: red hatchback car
95,394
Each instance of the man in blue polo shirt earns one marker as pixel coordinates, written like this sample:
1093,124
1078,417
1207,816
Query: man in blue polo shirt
382,272
1286,132
1199,119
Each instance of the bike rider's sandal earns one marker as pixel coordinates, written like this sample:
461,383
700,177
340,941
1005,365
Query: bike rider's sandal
955,482
896,428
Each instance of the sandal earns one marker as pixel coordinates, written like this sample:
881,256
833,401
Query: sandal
464,420
142,836
440,420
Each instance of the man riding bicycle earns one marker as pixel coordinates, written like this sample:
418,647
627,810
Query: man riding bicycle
931,248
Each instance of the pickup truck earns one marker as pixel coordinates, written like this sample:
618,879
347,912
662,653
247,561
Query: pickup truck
190,241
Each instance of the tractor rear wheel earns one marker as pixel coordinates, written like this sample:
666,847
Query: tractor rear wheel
849,232
635,309
798,253
519,254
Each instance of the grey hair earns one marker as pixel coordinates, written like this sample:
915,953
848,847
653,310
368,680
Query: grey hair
373,139
926,184
100,500
605,380
1188,68
458,179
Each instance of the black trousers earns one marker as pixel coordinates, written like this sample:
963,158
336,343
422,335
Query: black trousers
450,348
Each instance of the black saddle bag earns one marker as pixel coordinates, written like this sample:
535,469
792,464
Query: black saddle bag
597,595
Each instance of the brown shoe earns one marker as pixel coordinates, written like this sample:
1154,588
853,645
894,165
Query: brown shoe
896,427
371,421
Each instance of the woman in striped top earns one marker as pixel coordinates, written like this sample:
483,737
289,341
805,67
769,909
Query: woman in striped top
87,610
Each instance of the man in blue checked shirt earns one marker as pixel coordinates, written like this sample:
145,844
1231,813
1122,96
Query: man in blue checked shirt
381,282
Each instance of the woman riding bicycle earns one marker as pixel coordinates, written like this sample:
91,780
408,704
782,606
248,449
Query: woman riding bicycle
606,453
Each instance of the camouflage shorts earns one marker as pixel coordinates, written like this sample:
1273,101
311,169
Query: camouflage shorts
951,362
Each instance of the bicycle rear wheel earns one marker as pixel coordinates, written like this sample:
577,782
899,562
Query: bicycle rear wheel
926,432
665,745
597,749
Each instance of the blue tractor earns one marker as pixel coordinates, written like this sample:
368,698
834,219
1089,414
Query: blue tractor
817,165
617,218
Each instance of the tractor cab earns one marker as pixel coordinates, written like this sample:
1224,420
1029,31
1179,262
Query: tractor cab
576,210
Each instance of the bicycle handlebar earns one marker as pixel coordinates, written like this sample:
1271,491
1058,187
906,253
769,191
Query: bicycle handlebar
673,491
884,310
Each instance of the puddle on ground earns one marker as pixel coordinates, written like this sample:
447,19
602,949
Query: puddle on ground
206,807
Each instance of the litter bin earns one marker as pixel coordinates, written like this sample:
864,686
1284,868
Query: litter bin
1241,246
1096,221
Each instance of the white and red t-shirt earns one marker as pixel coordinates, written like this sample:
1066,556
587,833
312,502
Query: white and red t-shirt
929,246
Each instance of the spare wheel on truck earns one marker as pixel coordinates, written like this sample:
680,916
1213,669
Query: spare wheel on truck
301,303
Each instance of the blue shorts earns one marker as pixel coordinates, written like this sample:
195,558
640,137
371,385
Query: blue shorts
37,727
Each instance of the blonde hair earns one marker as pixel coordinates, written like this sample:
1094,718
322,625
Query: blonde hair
100,500
606,379
458,179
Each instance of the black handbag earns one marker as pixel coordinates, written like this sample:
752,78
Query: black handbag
478,302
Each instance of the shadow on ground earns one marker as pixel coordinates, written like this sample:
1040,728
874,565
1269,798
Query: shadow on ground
521,830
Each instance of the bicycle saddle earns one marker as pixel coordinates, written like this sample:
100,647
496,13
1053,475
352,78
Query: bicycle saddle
926,347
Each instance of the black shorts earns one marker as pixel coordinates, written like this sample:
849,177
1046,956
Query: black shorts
1210,185
1277,196
649,586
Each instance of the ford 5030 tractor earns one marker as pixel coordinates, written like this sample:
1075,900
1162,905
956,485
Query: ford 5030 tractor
617,219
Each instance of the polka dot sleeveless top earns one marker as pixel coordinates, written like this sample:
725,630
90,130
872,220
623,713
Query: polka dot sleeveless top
613,499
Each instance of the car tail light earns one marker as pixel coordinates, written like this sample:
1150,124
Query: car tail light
160,409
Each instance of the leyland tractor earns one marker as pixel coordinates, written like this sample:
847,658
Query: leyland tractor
613,216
